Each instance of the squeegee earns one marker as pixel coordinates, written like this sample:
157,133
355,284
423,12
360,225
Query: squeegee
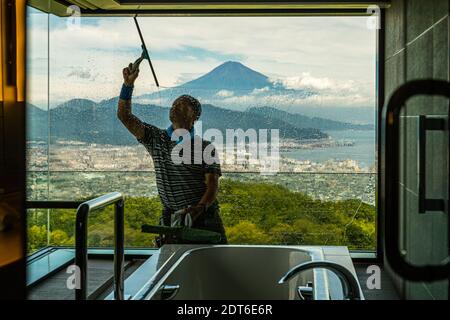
145,54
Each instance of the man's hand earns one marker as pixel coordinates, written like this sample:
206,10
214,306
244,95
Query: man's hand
131,72
195,211
124,113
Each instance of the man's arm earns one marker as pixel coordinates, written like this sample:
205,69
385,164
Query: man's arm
124,113
212,189
130,121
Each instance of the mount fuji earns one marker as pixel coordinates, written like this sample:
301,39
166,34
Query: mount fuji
230,85
230,94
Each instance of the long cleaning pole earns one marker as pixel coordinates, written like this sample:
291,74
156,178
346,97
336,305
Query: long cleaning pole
144,48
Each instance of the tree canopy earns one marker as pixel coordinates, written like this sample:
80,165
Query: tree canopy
252,212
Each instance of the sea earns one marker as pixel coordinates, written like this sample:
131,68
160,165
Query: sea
363,149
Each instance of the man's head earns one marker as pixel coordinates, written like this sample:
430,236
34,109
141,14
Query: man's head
185,111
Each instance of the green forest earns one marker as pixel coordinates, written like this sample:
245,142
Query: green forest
252,212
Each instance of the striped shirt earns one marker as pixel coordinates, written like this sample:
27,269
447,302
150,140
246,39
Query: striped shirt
179,184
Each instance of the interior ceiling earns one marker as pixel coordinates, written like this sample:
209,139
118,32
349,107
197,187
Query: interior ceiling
205,7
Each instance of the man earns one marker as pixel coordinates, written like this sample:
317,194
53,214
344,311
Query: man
191,186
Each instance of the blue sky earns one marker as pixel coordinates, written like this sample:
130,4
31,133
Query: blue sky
334,55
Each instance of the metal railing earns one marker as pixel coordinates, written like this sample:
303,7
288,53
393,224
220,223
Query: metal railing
81,252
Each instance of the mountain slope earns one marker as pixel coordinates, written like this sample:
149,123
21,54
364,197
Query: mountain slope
37,122
223,119
85,120
230,85
230,75
302,121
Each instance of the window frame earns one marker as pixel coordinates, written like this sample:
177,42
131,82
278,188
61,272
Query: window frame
323,8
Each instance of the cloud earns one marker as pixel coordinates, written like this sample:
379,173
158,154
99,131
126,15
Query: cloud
186,77
291,49
224,93
82,74
308,82
292,101
301,91
260,90
155,101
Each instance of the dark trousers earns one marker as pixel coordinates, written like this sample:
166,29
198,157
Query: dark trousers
210,221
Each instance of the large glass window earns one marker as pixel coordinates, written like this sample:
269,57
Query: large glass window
310,78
